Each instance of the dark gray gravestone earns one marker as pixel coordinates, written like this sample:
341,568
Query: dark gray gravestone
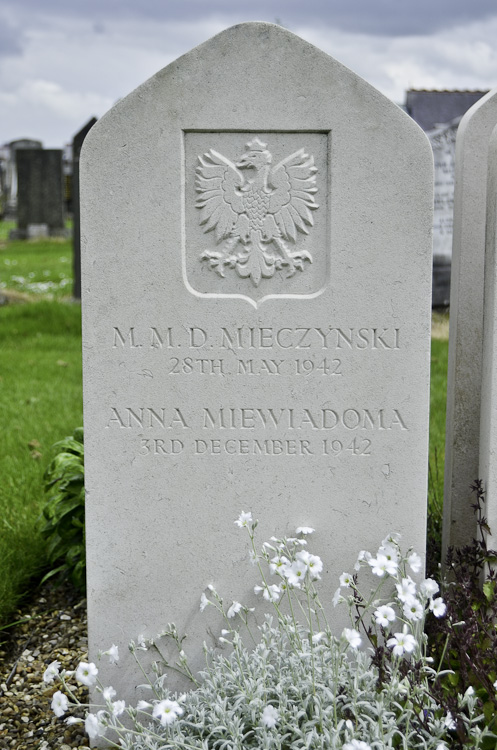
76,235
40,191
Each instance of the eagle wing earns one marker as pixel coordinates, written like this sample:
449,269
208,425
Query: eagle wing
216,182
292,202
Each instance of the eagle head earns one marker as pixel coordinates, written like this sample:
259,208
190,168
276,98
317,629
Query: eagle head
255,157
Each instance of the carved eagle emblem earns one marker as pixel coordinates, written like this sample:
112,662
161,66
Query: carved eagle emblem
256,210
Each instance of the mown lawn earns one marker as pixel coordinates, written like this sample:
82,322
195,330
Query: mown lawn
41,399
40,402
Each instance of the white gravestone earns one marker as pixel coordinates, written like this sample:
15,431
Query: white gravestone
466,321
256,250
443,140
488,423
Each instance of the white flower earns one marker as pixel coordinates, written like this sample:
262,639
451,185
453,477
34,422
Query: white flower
60,703
279,564
346,580
203,602
86,674
270,717
390,552
118,708
167,711
73,720
113,654
108,693
337,597
318,637
143,705
449,721
93,726
363,555
244,519
438,607
142,644
413,609
405,588
402,642
295,573
313,563
353,637
51,672
414,562
356,745
304,530
495,684
393,538
381,565
272,593
429,587
469,691
384,615
234,609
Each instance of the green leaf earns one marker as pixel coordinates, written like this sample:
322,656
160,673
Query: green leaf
489,590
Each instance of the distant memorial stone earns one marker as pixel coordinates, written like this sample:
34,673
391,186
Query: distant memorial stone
77,144
255,224
443,142
39,191
462,452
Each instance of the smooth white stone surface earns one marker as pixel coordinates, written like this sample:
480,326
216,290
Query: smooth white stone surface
466,321
166,339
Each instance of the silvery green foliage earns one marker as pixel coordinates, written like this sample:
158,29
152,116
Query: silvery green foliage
301,686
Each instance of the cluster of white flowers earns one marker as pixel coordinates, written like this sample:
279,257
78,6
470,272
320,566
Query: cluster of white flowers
411,601
255,697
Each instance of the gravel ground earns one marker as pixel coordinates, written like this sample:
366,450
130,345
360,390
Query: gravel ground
54,627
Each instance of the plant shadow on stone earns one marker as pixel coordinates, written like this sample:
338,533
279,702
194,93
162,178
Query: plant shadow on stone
64,512
465,641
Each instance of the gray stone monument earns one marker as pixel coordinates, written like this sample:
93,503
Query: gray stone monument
256,259
443,143
488,422
466,321
40,207
77,144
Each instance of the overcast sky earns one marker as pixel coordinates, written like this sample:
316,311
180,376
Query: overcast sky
62,61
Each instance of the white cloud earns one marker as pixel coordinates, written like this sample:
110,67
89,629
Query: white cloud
71,70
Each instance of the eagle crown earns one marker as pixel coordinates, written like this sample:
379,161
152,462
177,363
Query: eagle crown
256,158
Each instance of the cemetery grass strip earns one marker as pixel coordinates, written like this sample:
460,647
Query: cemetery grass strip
438,397
41,267
40,402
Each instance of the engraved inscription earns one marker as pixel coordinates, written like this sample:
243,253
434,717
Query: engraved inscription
255,210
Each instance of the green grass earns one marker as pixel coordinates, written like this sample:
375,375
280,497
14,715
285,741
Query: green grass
40,402
438,395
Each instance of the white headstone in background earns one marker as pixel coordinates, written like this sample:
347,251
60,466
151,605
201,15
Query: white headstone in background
443,143
256,298
466,321
488,423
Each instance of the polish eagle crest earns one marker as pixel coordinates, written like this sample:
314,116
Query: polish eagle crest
256,210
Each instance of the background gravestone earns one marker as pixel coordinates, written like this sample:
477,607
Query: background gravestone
40,190
466,321
255,225
77,144
442,141
488,423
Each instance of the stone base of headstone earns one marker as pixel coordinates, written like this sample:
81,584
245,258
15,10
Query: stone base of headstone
441,282
38,231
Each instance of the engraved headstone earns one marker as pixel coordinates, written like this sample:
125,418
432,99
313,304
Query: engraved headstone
39,191
77,144
466,321
256,300
488,423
